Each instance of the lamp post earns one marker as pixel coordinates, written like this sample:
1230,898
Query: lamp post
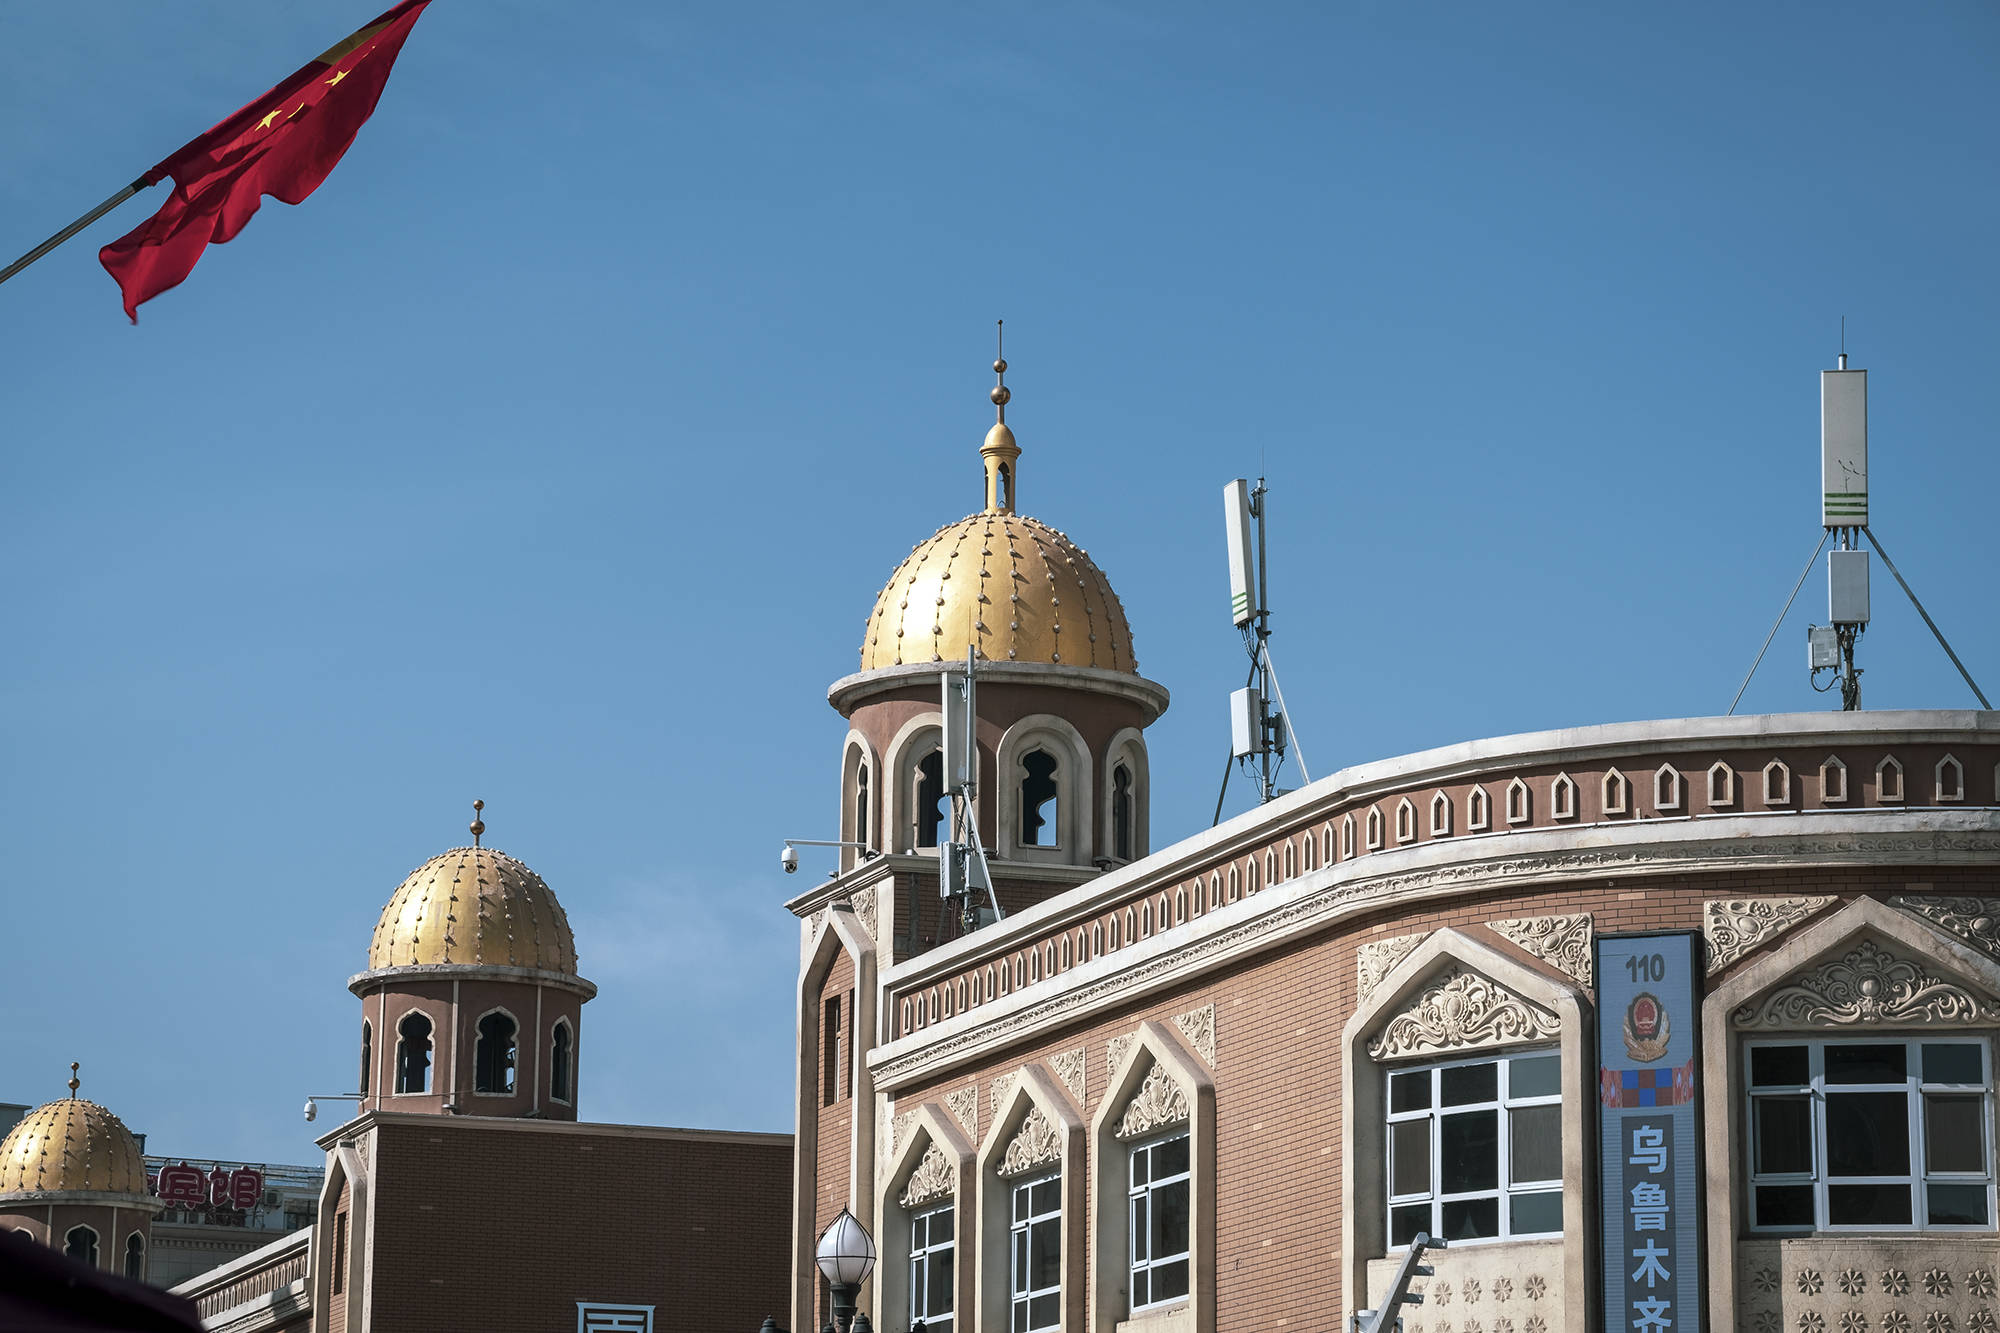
846,1256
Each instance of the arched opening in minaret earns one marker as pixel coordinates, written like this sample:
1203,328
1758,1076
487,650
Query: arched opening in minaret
413,1054
860,832
559,1063
493,1054
1003,487
1038,801
1121,813
135,1256
367,1054
930,798
80,1244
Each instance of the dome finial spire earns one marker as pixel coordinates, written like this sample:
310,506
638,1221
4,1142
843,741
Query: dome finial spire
74,1081
1000,452
478,825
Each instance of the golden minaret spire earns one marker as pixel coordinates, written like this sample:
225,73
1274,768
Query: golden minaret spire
1000,454
74,1081
478,825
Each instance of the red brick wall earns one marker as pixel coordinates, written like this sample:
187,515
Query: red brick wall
506,1229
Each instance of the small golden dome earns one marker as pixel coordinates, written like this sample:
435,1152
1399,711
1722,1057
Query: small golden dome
473,906
1011,587
70,1145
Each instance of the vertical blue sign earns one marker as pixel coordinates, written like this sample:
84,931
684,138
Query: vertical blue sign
1648,1027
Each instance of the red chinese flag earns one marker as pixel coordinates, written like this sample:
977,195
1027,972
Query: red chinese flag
283,144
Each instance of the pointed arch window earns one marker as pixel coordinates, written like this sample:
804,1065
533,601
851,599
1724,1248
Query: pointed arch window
1889,780
1721,785
1121,812
1374,828
135,1256
562,1061
1520,803
860,831
1666,787
413,1054
1832,780
1040,825
1440,816
1406,821
1562,797
493,1053
367,1054
1347,837
1950,780
1777,783
929,798
80,1244
1478,811
1617,793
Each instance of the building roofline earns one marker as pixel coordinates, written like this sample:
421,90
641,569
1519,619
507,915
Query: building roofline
534,1125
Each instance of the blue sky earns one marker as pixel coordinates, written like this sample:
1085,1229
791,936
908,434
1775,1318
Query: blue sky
554,451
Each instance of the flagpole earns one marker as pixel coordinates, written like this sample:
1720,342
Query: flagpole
73,228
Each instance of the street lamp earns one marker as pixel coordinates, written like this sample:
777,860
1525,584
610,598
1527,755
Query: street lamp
846,1256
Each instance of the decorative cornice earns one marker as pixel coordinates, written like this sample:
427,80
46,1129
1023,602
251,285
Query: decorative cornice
1462,1010
1867,984
1375,959
1563,942
1068,1066
1114,1053
1035,1144
963,1103
1735,926
363,983
1279,914
936,1177
849,692
1198,1026
1974,920
1159,1102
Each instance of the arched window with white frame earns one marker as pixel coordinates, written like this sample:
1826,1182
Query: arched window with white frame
1347,837
1950,776
1721,785
1562,797
1667,787
493,1053
1832,781
1889,780
1375,824
1617,793
80,1244
1478,810
1406,820
1777,784
1441,815
1520,802
562,1062
413,1054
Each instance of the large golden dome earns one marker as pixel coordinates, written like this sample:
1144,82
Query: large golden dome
1013,588
70,1145
474,906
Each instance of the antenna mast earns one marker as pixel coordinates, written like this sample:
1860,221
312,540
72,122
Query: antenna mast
1257,729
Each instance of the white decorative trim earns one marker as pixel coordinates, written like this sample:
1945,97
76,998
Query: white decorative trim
1036,1143
1374,958
1832,781
1068,1066
1887,793
1955,791
1198,1026
936,1177
1617,793
996,1094
1441,815
1520,802
1159,1102
1735,926
1867,984
1669,777
1406,820
1374,828
1564,800
1431,871
1723,776
1974,920
1777,784
1563,942
1478,810
1460,1011
1114,1053
963,1103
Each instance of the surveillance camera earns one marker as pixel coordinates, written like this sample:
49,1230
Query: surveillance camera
312,1110
789,859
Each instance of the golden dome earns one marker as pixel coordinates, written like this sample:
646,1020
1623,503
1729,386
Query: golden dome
1011,587
70,1145
474,906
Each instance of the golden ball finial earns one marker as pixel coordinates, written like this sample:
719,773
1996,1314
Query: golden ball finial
74,1081
478,825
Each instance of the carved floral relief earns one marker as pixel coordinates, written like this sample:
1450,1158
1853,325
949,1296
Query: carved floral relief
1735,926
1374,960
1198,1026
1160,1101
1462,1009
1867,984
1974,920
936,1177
1036,1143
1563,942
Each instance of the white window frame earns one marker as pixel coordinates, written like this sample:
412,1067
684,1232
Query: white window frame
1020,1300
1505,1187
922,1255
1667,787
1478,810
1913,1088
1137,1228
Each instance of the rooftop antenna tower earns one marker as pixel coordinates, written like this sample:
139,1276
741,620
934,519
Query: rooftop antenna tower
1843,470
965,879
1260,726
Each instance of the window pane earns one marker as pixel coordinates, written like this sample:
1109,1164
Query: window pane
1783,1133
1044,1311
1170,1158
1020,1317
1952,1062
940,1227
918,1229
1784,1206
1470,1156
1170,1220
1778,1067
1142,1287
937,1299
1855,1063
1021,1204
1471,1219
1047,1196
1045,1254
1140,1230
1534,1076
1460,1084
1170,1281
1535,1143
1868,1205
1958,1205
1407,1221
1954,1139
1868,1134
1410,1157
1139,1165
1535,1214
1411,1091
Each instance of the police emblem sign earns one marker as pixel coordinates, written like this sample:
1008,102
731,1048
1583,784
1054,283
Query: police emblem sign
1648,1136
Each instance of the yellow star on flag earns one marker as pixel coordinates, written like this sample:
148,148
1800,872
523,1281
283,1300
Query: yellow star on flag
265,123
338,75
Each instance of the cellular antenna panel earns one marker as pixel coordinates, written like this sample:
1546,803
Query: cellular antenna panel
1242,559
1843,447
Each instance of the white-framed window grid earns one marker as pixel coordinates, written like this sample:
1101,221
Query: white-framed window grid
933,1268
1475,1148
1824,1147
1159,1213
1034,1278
604,1317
